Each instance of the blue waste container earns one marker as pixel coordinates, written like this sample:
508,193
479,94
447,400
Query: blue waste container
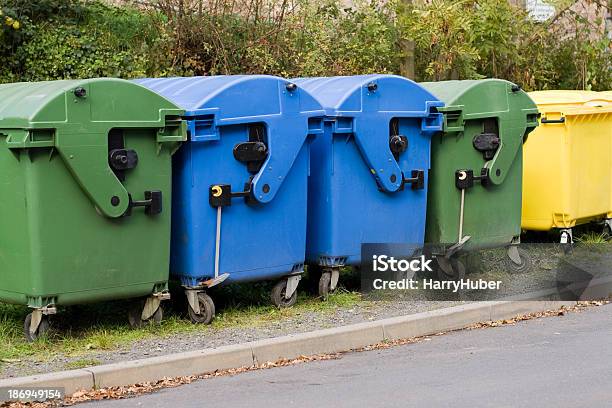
240,183
368,178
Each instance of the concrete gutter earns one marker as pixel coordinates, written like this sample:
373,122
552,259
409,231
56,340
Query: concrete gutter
332,340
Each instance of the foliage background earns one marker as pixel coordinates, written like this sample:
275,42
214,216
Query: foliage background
56,39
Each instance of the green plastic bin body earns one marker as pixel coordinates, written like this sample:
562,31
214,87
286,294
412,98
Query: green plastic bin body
69,230
492,206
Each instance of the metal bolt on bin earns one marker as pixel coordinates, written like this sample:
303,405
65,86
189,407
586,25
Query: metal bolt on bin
568,163
240,184
369,173
85,181
476,172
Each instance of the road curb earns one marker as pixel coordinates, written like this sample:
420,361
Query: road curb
172,365
324,341
71,381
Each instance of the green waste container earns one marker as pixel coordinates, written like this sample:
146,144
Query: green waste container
475,180
85,187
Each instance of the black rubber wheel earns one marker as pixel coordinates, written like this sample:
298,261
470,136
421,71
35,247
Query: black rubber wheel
458,271
135,315
43,328
607,232
278,295
207,310
324,285
524,266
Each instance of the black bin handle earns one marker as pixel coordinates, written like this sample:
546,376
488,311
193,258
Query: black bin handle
560,120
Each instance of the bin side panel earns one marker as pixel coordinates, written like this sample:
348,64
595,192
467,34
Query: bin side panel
321,206
492,213
545,188
15,223
575,189
258,241
80,256
589,171
347,209
69,249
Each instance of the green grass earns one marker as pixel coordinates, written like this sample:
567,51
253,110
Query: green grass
82,363
593,238
79,330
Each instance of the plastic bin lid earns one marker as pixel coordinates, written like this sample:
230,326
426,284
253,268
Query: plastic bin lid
343,94
557,97
91,107
481,96
28,104
451,91
573,102
217,101
231,97
368,103
515,113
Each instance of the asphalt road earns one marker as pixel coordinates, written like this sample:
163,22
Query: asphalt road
551,362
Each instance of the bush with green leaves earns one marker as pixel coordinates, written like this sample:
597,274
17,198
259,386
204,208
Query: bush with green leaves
63,39
470,39
453,39
333,40
11,30
304,38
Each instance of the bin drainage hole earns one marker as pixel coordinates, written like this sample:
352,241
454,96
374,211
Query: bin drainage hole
498,172
115,201
266,188
393,178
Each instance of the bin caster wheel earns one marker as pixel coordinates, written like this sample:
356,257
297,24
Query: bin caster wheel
135,316
525,263
566,237
278,295
43,328
207,310
455,272
607,230
325,285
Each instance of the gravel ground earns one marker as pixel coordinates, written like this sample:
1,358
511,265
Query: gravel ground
214,337
543,272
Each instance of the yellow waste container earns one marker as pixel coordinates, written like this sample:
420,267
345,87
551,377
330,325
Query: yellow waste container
567,172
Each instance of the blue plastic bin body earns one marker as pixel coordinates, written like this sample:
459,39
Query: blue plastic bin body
356,193
265,237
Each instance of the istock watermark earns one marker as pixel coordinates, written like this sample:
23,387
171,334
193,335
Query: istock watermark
446,272
432,284
386,263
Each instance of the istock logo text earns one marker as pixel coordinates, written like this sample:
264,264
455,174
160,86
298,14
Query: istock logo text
385,263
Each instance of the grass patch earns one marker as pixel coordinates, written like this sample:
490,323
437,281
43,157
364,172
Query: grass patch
592,237
79,330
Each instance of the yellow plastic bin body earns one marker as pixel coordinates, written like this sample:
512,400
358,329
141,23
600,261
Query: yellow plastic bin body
567,173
